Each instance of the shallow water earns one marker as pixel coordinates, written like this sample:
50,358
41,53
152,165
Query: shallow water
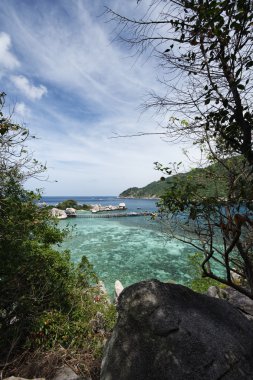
128,249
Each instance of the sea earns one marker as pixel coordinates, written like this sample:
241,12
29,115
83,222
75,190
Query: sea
128,249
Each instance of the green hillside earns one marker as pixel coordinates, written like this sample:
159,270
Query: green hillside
211,181
152,190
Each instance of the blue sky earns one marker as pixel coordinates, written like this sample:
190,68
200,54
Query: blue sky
73,86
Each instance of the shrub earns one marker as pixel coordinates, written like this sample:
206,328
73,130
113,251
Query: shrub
70,203
45,300
47,304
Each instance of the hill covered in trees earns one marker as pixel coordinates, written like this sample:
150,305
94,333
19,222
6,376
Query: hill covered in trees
212,181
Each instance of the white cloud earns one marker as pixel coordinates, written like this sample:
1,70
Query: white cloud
7,58
29,90
80,57
21,110
87,162
95,89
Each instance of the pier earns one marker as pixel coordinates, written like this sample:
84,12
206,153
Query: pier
114,215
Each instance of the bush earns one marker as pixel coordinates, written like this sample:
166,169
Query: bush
48,305
86,207
70,203
83,325
45,300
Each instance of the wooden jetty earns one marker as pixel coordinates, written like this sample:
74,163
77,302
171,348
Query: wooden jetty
114,215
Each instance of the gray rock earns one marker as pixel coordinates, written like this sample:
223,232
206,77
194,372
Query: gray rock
168,332
241,302
66,373
102,288
22,378
238,300
98,323
215,291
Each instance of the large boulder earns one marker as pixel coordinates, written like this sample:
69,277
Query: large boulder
238,300
70,211
59,214
168,332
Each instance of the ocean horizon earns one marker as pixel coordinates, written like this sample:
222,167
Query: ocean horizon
132,204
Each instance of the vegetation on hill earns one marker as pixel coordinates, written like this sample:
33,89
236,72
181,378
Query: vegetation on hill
152,190
211,181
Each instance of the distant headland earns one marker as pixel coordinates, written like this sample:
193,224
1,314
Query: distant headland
201,176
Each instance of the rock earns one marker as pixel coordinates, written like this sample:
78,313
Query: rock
66,373
215,291
235,277
59,214
94,208
98,323
102,288
118,287
99,208
241,302
168,332
103,294
238,300
22,378
70,211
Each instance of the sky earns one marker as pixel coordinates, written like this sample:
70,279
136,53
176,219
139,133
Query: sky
74,86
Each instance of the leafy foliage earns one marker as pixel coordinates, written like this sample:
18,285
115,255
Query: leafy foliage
152,190
205,50
14,156
45,300
38,283
70,203
219,227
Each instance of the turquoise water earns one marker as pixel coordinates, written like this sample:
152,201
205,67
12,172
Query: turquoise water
128,249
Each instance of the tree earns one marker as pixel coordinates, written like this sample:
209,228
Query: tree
204,50
70,203
45,300
14,157
32,274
